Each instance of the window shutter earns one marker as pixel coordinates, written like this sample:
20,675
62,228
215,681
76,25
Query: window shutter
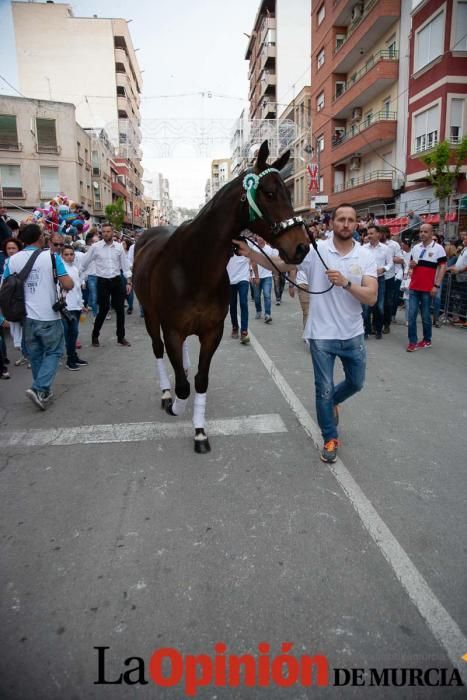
457,113
8,133
46,135
461,24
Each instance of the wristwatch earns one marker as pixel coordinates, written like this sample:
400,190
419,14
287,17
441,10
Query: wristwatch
348,285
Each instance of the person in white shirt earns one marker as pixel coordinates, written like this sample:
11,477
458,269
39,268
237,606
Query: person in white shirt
74,304
43,330
110,258
391,277
89,276
383,259
238,269
264,283
335,328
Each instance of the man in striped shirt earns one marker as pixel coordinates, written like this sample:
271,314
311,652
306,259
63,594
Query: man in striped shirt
428,265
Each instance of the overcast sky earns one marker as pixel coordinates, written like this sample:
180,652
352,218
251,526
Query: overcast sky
186,47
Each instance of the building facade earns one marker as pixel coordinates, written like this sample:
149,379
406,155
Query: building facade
43,152
437,109
220,174
278,53
53,67
355,99
296,173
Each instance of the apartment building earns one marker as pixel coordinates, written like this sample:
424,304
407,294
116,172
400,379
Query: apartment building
88,61
356,95
102,153
437,108
43,151
239,143
220,174
278,53
295,173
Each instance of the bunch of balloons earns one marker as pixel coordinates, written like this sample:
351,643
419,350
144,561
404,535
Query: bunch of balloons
63,215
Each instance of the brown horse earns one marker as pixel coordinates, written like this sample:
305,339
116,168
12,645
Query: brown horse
181,281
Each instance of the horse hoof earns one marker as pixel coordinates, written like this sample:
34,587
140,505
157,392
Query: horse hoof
165,404
202,447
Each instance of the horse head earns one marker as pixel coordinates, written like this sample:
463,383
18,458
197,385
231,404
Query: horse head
270,208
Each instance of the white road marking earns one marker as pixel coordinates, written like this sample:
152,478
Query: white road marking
441,624
138,432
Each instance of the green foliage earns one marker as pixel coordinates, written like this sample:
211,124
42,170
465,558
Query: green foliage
115,213
443,164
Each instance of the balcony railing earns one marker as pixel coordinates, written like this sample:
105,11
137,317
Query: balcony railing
356,23
43,148
364,124
383,55
364,179
426,142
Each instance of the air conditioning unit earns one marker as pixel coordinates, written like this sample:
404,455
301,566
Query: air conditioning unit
339,132
357,113
355,163
357,11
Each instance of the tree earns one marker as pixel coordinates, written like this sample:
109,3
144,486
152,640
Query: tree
115,213
444,163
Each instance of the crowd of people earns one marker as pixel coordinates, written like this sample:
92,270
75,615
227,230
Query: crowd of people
73,273
369,277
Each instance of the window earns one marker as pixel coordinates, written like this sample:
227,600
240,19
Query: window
460,33
320,143
392,50
8,133
321,183
426,129
340,38
49,181
386,107
95,162
368,118
429,42
10,181
321,14
320,59
457,120
320,101
340,88
46,136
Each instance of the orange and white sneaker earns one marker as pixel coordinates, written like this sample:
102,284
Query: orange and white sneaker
329,452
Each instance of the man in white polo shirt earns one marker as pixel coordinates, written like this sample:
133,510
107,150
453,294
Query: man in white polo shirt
383,259
335,328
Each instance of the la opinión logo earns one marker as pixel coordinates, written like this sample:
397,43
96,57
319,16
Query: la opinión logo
168,667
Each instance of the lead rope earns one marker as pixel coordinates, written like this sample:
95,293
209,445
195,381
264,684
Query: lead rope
283,274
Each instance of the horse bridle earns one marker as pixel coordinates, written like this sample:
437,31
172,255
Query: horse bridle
250,185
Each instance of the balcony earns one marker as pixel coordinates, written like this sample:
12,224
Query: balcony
372,186
365,136
363,86
10,146
375,19
268,109
268,81
268,53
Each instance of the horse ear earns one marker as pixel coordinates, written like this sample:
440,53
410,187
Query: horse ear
282,161
261,160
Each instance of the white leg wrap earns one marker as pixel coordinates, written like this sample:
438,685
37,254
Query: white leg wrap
186,357
164,380
199,411
179,406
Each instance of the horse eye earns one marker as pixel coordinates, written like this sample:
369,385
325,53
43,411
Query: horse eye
270,195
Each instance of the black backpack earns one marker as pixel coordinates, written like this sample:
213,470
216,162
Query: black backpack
12,302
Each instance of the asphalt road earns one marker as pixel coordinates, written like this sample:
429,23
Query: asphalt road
123,537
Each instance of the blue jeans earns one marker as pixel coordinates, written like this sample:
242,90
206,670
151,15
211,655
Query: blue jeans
71,330
265,286
377,309
437,302
420,300
92,293
44,346
352,354
241,290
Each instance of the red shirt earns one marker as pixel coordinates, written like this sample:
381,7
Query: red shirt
427,258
